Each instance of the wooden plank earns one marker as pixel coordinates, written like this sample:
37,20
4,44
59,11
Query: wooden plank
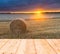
16,46
21,47
42,47
3,42
7,46
30,46
55,44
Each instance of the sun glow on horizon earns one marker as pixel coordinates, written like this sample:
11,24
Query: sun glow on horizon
38,15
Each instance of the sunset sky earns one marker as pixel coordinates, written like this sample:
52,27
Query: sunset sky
29,5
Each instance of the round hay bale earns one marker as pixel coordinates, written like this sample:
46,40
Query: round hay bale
18,26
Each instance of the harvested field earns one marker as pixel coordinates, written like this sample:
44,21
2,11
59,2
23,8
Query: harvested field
49,28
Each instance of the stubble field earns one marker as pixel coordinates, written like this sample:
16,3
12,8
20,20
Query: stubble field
48,28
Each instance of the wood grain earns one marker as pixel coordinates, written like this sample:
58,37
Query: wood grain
29,46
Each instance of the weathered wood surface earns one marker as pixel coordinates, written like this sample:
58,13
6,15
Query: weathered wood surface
29,46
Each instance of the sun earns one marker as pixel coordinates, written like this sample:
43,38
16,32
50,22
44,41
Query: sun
38,15
38,12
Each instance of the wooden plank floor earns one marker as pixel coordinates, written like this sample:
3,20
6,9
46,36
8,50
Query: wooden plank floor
29,46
